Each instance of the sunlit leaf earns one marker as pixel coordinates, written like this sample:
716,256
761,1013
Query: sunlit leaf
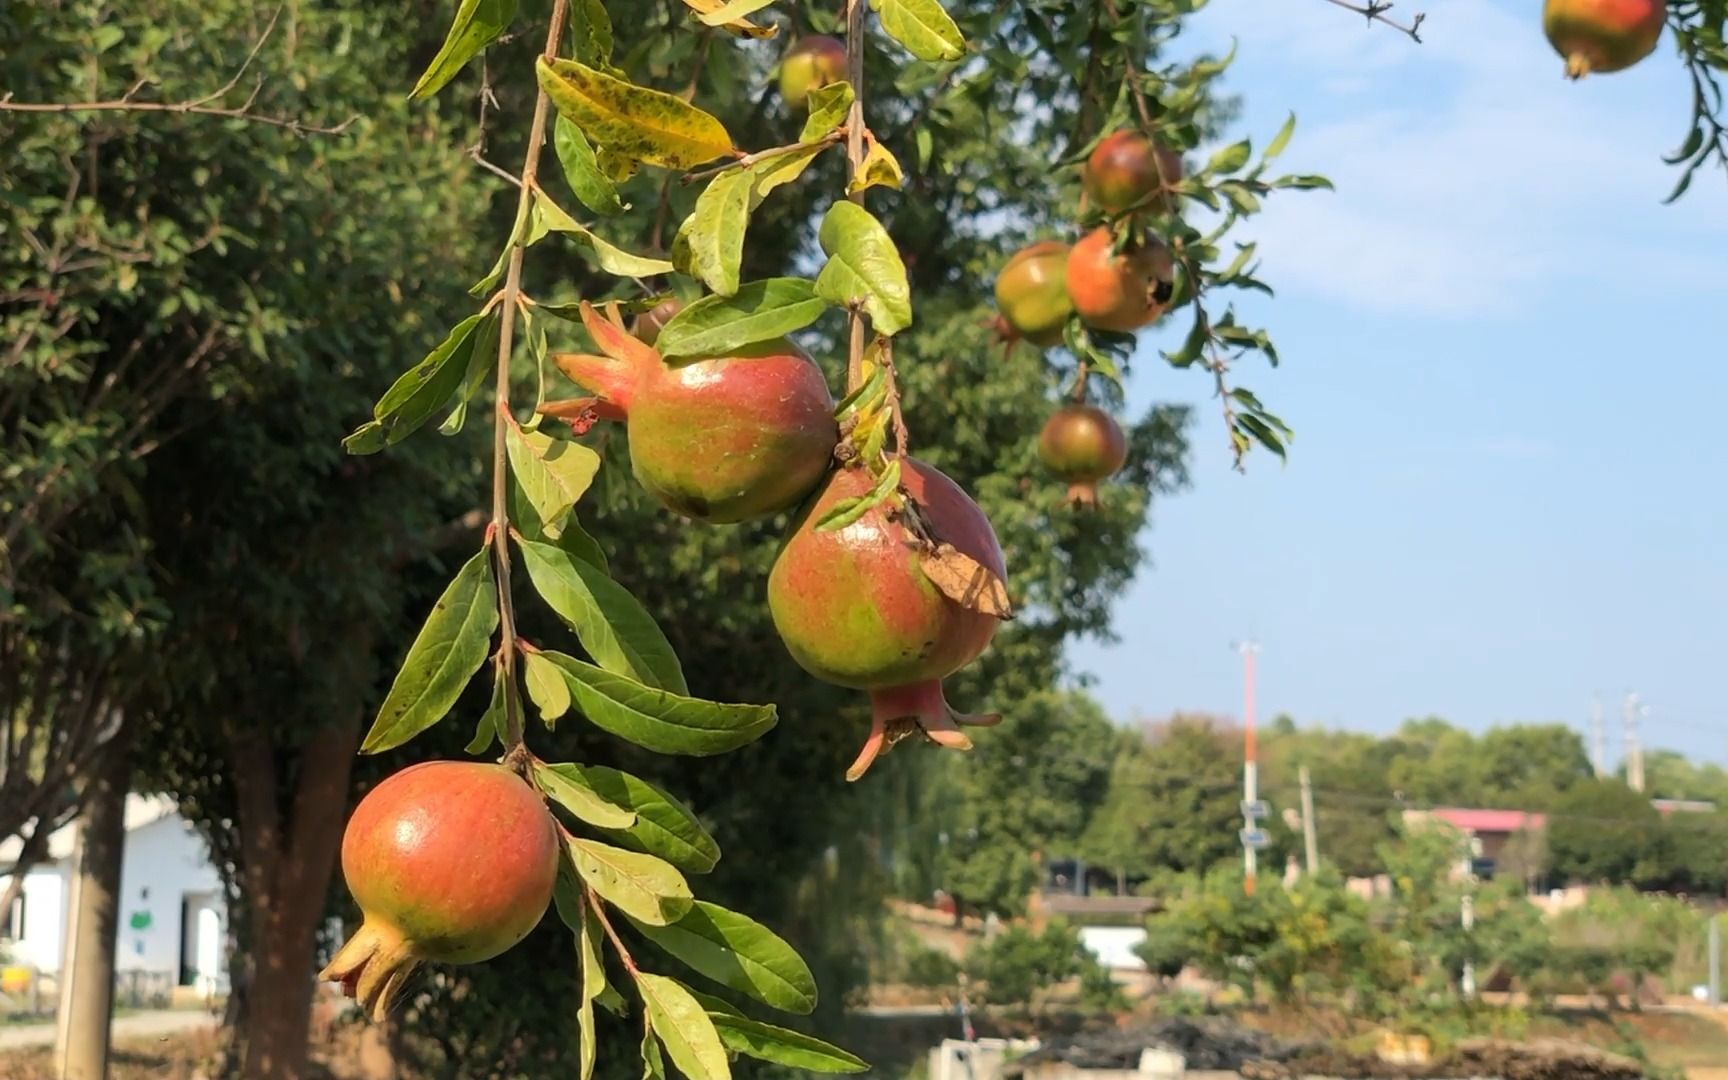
923,27
783,1046
567,785
738,952
612,625
477,24
551,473
547,688
657,720
758,311
648,889
864,267
683,1028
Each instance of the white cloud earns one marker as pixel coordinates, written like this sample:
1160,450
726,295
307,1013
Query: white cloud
1472,178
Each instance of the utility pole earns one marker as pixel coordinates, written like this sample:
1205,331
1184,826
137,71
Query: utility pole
1634,749
1598,738
1310,843
1250,768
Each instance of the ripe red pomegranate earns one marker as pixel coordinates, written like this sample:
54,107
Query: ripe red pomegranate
1082,445
1117,292
1602,35
647,325
1125,168
720,439
1032,292
855,608
451,862
816,60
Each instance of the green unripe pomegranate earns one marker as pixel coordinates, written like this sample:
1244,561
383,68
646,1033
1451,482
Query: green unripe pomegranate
451,862
1602,35
855,608
1082,445
1032,292
720,439
815,61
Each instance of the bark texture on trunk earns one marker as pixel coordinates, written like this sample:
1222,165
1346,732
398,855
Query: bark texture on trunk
287,863
88,996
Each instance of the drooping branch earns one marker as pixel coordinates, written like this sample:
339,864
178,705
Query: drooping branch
1375,12
854,159
498,532
200,106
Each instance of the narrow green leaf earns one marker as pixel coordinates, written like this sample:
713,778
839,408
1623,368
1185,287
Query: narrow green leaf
684,1028
567,785
923,27
864,267
647,889
582,172
1280,140
446,653
783,1046
482,358
547,687
758,311
477,24
552,473
739,952
567,892
612,625
593,985
663,826
591,32
1231,158
491,724
368,438
425,388
828,108
633,121
550,217
657,720
710,244
847,511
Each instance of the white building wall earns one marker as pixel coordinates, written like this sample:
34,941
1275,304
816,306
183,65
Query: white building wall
44,919
1114,946
164,862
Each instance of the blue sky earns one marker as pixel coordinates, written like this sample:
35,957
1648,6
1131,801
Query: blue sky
1505,362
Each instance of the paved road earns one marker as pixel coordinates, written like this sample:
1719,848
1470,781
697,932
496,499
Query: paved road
141,1025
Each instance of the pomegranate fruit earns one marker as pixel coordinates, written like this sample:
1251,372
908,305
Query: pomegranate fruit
816,60
647,325
1032,292
1118,291
1602,35
451,862
1082,444
721,439
1127,167
855,609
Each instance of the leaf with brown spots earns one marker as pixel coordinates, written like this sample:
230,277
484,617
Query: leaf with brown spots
633,121
965,580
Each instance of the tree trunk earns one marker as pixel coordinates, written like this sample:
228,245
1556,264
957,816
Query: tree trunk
286,876
87,998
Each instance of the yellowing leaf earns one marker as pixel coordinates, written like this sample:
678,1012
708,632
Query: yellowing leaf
710,244
647,889
552,473
550,217
633,121
966,581
684,1028
730,15
878,169
828,108
923,27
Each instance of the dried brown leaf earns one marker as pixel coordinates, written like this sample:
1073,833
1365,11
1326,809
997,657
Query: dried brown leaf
966,581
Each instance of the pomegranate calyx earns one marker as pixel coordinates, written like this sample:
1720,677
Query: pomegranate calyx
372,968
899,712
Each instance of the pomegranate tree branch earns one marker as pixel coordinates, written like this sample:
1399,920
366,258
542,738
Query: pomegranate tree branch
200,106
855,158
599,908
1375,12
499,531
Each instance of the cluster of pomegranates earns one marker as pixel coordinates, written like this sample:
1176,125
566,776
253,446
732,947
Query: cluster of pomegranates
1115,278
738,437
1602,36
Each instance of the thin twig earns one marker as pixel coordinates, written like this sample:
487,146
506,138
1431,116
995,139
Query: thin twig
854,159
498,533
1375,12
744,161
474,155
197,106
595,905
